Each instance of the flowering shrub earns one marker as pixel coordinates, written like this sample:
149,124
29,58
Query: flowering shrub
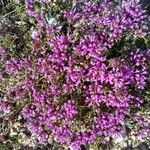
79,91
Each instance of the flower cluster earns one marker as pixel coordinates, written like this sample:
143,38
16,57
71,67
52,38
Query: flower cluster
79,93
30,7
4,106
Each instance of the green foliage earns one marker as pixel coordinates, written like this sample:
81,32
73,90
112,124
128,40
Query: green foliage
4,146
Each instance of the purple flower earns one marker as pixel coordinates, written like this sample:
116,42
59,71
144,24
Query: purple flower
2,52
69,109
30,7
5,106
